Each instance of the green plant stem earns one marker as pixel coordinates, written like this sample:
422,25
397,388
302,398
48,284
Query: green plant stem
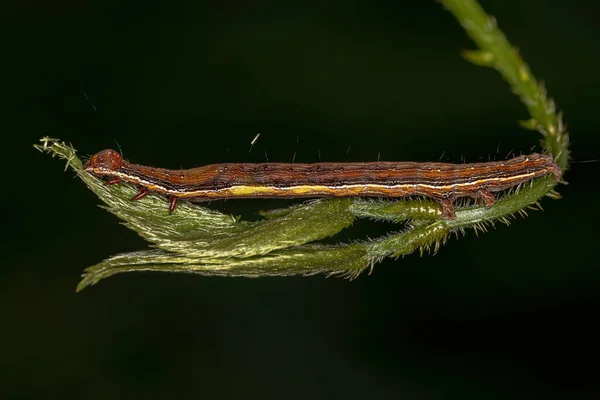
496,52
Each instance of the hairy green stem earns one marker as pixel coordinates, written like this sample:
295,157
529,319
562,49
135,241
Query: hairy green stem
495,51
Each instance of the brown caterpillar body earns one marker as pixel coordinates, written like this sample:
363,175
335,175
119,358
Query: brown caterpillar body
443,182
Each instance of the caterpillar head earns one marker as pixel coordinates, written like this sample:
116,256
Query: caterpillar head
104,162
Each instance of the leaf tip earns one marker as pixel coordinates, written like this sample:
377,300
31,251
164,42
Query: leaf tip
479,57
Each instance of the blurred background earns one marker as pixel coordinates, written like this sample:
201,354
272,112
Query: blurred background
507,314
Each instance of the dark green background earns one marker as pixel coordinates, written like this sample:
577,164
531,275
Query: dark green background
508,314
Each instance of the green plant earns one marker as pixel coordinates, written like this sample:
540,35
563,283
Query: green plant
199,240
